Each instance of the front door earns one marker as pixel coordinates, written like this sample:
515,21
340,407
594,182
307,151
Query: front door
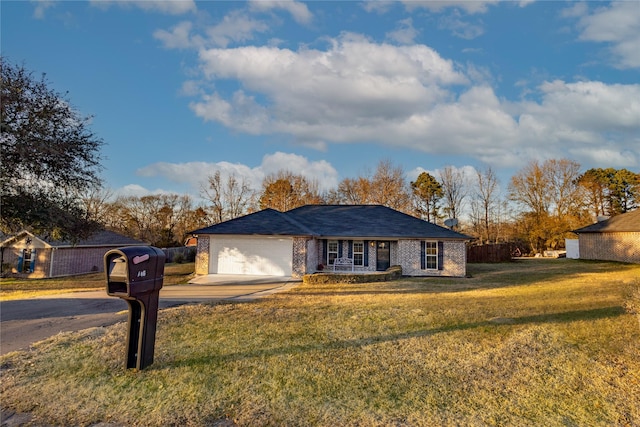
383,256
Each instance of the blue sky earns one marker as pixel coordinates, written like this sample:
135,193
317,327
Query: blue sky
181,89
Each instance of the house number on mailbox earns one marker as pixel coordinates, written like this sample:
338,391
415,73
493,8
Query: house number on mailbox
142,273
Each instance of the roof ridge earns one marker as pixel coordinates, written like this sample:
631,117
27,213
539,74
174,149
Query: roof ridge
295,222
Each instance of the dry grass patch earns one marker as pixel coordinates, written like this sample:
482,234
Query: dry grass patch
12,288
529,343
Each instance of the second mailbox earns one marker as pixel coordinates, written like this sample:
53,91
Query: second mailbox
134,271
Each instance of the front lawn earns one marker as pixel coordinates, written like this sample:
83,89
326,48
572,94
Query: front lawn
535,342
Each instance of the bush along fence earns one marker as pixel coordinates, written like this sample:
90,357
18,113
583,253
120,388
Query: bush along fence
180,254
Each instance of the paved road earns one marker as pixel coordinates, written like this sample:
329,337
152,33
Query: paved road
24,322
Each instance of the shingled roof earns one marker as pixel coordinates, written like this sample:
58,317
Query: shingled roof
99,238
349,221
626,222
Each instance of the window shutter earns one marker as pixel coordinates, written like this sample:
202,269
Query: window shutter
366,253
440,255
32,266
339,248
21,261
423,250
350,249
324,251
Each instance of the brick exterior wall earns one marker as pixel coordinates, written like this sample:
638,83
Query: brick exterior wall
406,253
66,261
78,260
308,253
454,261
299,264
202,255
621,246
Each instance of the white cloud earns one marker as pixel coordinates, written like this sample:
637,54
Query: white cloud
237,26
340,94
470,7
320,171
233,28
405,34
576,10
409,96
378,6
299,11
592,106
584,120
617,24
195,173
459,27
173,7
179,37
136,190
41,7
606,156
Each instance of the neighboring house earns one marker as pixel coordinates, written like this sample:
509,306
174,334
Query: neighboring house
308,239
27,255
614,239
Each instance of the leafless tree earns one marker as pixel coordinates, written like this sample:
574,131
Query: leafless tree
161,220
386,186
485,204
229,198
551,200
389,187
352,191
97,203
455,187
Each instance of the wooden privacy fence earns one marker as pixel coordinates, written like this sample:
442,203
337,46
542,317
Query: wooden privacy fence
500,252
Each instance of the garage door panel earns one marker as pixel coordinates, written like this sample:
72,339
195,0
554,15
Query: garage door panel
258,256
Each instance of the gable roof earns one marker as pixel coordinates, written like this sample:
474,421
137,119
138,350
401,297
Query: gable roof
100,238
373,221
267,222
626,222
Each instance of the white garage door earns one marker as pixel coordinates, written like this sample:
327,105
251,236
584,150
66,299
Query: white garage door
264,256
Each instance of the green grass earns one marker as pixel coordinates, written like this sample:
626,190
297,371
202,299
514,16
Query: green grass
12,288
537,342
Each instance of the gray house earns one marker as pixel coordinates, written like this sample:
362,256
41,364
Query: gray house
614,239
36,257
311,238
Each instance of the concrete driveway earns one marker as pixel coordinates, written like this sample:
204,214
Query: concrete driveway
227,287
24,322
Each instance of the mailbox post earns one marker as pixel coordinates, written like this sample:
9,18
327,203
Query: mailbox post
135,274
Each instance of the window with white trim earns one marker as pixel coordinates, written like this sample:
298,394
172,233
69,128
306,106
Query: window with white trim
358,253
332,251
431,255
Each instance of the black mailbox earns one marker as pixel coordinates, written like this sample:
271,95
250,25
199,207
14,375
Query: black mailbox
135,274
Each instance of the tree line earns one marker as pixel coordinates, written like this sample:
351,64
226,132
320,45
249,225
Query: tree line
49,177
539,206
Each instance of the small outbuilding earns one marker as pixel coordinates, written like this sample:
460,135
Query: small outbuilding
614,239
312,238
30,256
